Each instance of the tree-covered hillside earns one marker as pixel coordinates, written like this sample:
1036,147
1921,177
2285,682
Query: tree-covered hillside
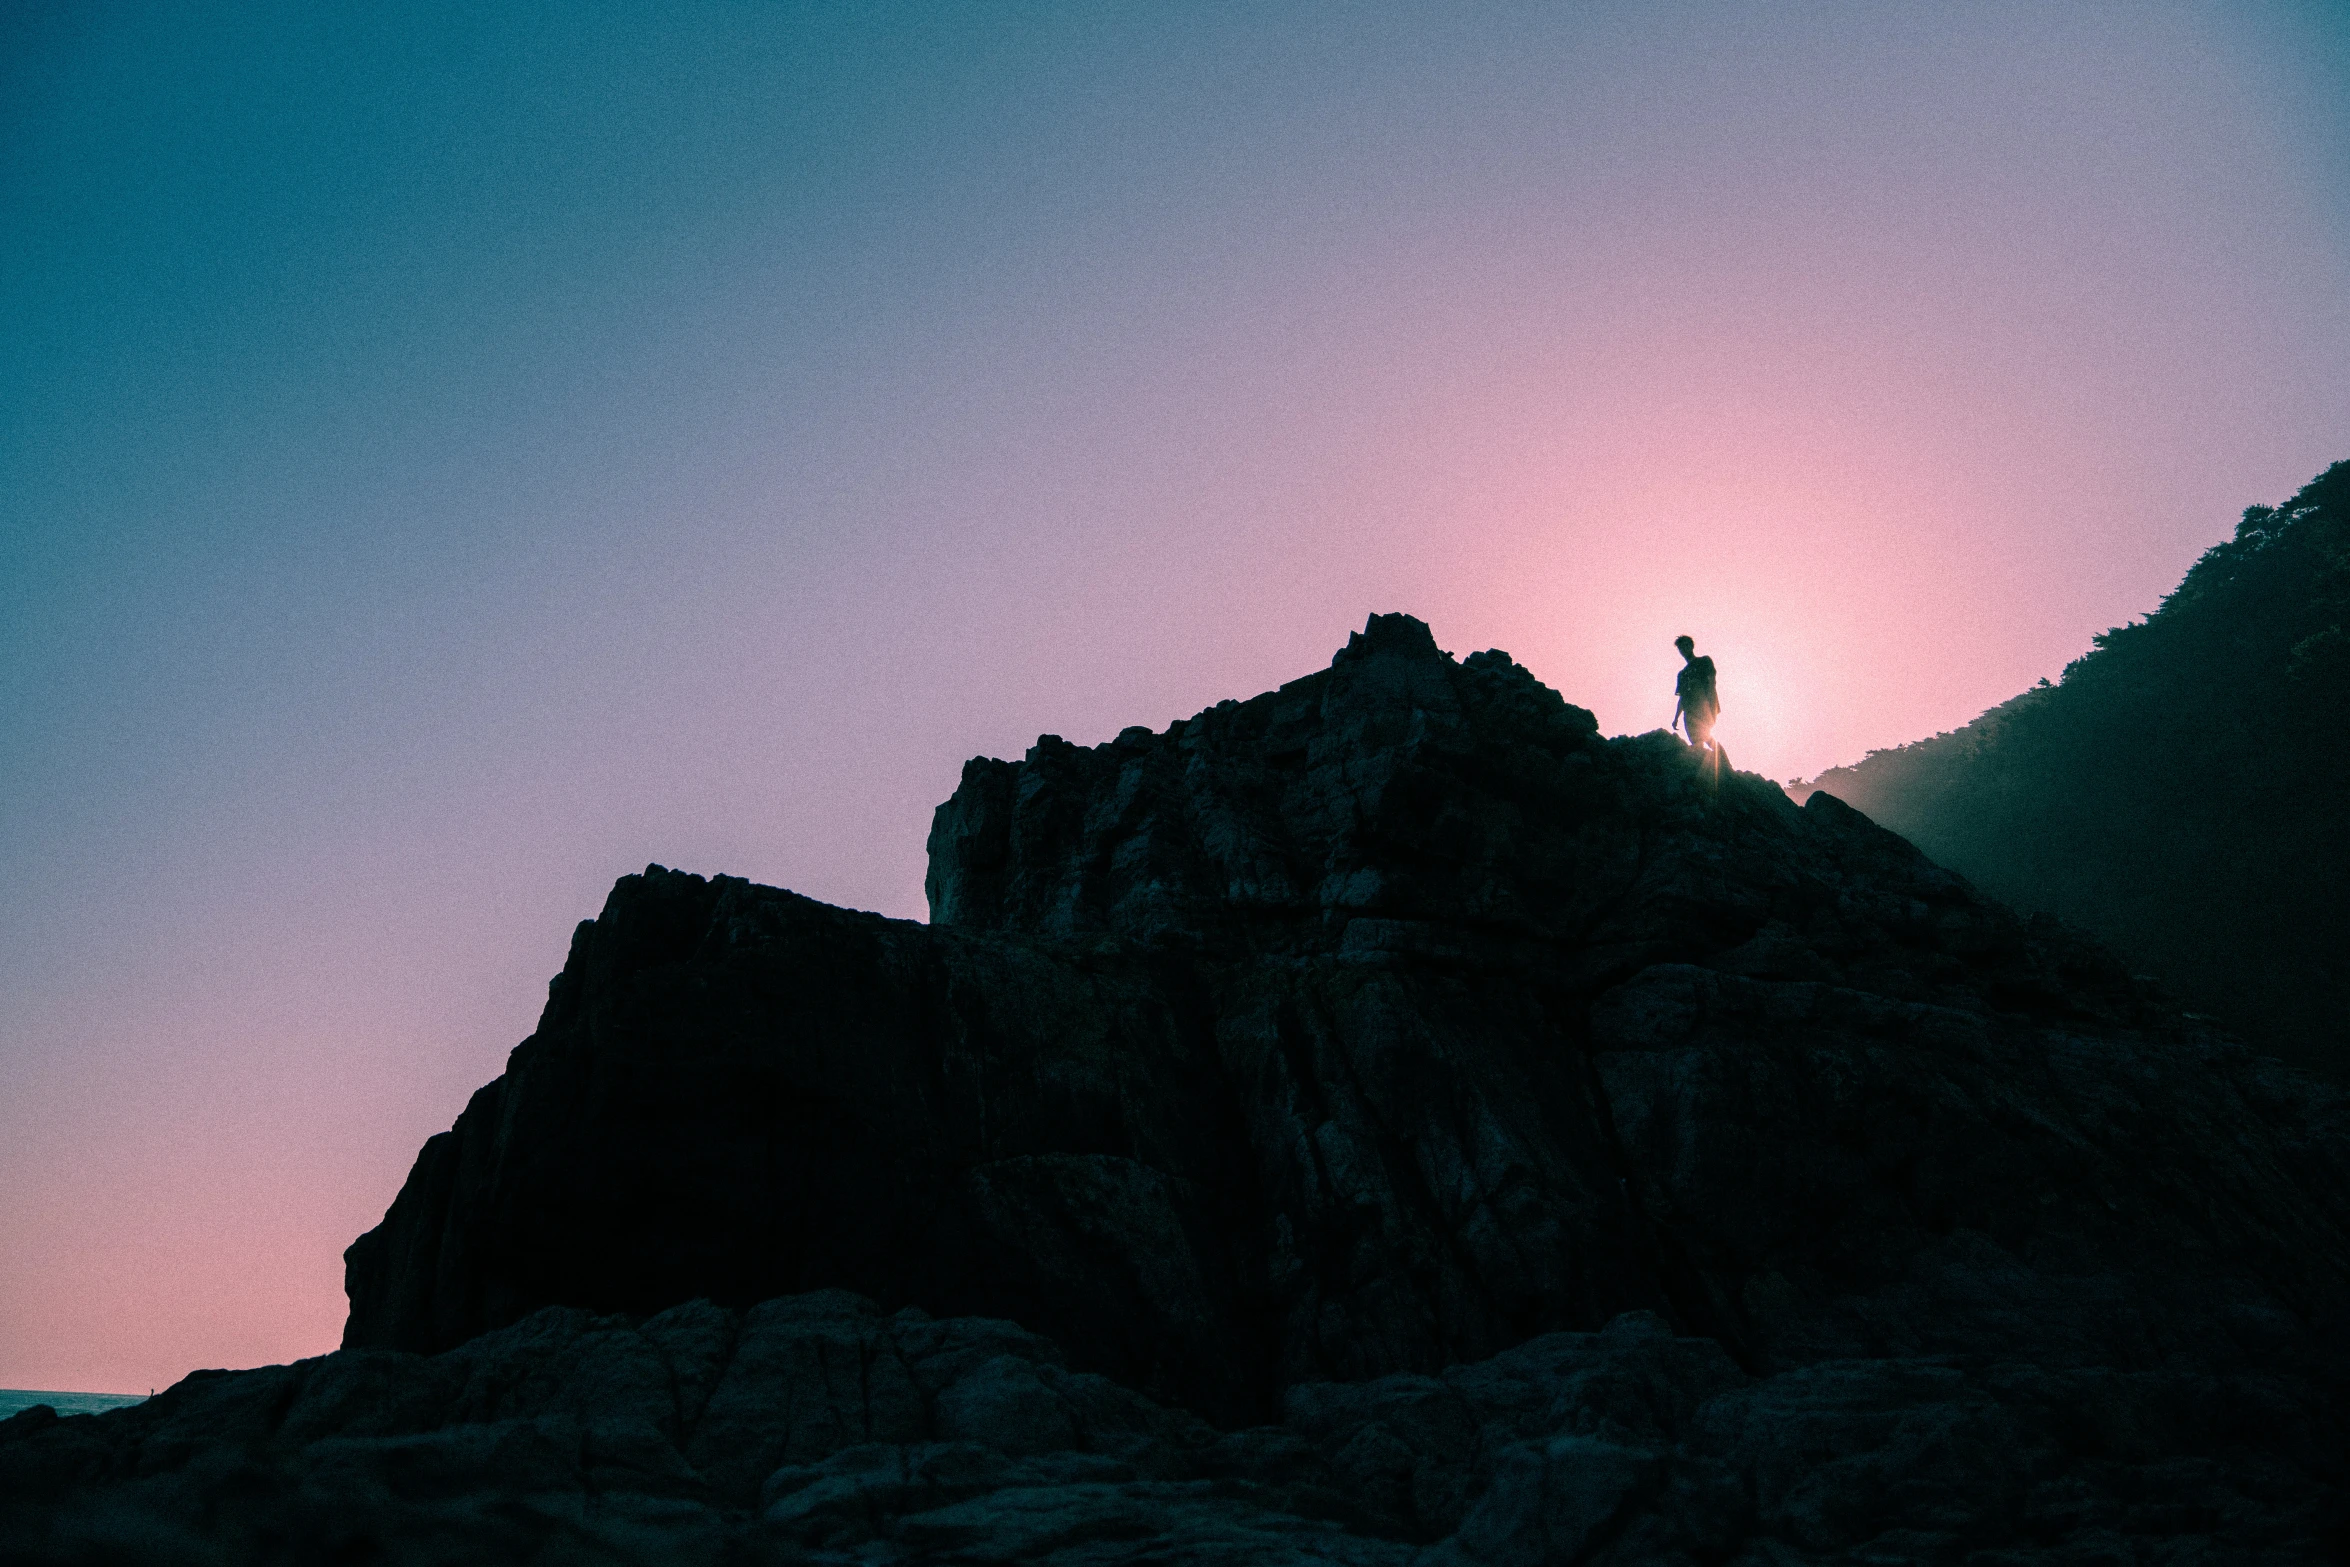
2182,790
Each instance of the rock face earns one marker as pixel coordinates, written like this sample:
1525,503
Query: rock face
1374,1025
1580,1161
818,1429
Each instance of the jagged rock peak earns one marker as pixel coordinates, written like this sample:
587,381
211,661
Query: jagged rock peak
1300,808
1383,1022
1405,635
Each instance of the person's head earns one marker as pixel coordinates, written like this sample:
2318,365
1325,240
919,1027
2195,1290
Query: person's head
1687,646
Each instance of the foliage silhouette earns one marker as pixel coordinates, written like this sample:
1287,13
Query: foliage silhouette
2180,791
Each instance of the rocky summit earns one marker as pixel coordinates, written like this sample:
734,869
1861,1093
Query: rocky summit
1379,1121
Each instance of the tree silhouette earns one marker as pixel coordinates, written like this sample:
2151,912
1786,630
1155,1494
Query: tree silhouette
2181,791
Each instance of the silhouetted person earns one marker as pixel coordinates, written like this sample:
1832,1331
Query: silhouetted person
1695,702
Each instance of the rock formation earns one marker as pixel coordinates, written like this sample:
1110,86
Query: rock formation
1397,1119
816,1429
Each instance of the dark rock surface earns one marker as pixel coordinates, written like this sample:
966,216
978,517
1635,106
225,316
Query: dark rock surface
817,1429
1578,1162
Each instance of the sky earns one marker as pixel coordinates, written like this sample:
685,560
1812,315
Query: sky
451,457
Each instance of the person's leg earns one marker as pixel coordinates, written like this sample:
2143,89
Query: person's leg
1701,735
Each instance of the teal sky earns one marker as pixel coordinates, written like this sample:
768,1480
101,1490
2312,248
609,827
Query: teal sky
451,457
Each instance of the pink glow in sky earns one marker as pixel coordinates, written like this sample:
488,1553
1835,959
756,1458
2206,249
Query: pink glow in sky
450,462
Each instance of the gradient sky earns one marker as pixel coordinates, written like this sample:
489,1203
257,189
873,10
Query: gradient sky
450,458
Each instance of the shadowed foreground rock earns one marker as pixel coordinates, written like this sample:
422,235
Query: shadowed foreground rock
815,1428
1577,1164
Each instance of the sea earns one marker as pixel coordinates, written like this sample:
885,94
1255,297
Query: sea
13,1399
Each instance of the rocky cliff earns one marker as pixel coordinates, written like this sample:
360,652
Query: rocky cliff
1577,1161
